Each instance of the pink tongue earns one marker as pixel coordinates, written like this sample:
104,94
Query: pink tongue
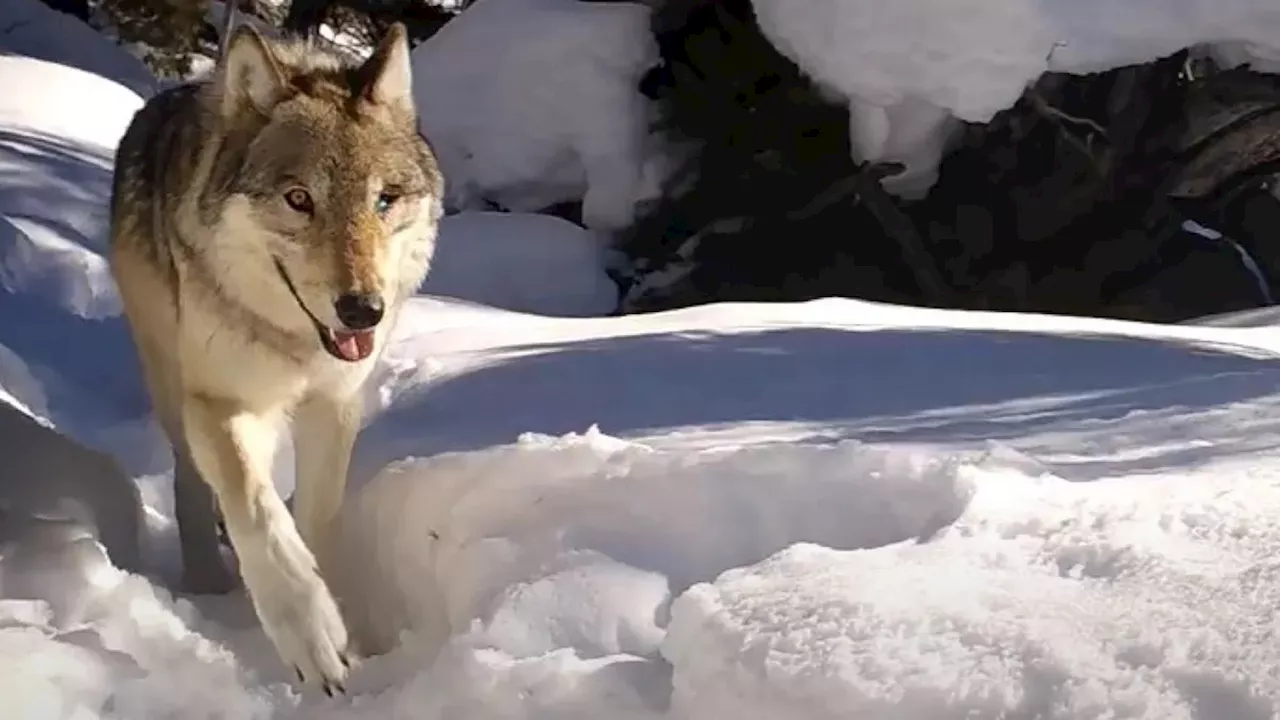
354,346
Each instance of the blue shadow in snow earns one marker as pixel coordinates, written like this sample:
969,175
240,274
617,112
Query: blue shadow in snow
947,387
87,365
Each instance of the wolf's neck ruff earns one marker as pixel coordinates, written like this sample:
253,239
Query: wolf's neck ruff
348,345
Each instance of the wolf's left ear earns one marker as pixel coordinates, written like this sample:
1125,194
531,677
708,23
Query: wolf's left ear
389,73
250,74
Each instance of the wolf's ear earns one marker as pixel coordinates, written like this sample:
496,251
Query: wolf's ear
250,74
388,72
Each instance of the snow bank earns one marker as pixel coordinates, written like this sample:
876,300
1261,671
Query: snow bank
1137,598
576,576
33,29
580,541
51,99
55,181
55,285
821,370
522,262
529,103
909,68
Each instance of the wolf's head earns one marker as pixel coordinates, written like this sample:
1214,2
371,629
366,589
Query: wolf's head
321,184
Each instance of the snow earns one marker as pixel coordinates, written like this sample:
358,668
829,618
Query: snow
530,103
830,509
33,29
909,69
476,260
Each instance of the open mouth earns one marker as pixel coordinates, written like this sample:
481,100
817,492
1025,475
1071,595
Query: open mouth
348,345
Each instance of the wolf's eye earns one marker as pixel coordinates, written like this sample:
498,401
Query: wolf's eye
385,200
299,200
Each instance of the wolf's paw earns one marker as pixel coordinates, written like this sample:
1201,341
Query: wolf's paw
299,615
309,634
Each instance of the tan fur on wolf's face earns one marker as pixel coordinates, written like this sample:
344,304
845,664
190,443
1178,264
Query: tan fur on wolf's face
333,189
335,170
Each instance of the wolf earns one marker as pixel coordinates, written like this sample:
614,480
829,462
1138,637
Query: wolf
267,224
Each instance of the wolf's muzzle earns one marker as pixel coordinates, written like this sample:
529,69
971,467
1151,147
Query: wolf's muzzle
353,345
359,311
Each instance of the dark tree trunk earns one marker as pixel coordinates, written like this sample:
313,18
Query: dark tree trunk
75,8
305,16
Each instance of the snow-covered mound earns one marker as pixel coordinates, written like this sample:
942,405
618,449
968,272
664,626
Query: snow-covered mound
56,293
909,68
536,264
55,172
33,29
619,529
529,103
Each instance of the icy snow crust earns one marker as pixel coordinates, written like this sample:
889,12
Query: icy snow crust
833,509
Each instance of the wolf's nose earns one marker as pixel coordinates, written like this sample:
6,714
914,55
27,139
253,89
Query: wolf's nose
359,311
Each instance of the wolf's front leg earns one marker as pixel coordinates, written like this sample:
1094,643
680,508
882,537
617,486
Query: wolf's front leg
324,430
203,568
233,449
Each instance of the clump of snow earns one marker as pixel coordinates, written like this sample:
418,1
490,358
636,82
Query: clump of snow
908,69
132,653
529,103
522,262
32,29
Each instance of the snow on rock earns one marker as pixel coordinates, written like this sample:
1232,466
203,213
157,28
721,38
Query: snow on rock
909,68
33,29
580,541
529,103
522,262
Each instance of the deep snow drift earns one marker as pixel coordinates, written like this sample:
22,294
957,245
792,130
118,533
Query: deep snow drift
833,509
